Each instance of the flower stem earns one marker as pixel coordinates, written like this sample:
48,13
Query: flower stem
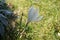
24,29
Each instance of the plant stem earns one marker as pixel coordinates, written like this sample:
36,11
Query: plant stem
21,19
24,29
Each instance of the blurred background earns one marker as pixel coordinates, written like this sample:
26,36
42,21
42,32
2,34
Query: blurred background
46,29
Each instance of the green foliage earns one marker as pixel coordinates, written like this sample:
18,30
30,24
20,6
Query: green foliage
46,29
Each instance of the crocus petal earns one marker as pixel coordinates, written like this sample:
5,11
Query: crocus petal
33,14
39,18
30,14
